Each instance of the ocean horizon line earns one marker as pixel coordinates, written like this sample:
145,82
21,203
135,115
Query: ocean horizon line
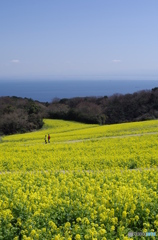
46,91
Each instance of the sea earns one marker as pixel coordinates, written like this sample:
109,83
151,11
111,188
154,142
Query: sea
48,91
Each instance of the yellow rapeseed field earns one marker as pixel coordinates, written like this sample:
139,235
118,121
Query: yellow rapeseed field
89,182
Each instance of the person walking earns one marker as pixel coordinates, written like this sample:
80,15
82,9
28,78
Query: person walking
49,138
45,139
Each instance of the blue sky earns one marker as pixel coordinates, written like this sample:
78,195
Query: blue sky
84,39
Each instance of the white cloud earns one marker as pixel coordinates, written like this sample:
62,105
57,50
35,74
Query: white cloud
116,61
15,60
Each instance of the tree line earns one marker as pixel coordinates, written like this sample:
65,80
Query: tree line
18,115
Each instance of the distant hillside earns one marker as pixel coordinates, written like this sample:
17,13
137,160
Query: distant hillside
18,115
118,108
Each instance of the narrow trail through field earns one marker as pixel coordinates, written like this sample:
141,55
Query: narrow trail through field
71,171
90,139
106,137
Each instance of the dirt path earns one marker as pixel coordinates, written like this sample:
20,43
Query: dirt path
92,139
68,171
106,137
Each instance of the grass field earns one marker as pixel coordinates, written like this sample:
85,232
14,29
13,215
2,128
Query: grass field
90,182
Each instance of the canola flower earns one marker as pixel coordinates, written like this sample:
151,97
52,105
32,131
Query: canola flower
79,190
78,205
